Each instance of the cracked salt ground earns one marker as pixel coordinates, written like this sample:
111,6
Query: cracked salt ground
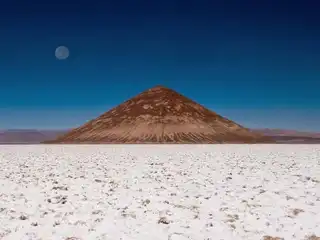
203,192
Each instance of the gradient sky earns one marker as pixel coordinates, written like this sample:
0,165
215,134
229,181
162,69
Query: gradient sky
255,62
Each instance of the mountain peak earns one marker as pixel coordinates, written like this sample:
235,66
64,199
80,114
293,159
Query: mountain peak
159,87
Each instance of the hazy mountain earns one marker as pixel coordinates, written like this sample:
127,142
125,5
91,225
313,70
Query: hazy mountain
28,136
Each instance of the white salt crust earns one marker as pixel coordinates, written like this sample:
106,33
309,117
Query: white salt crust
167,192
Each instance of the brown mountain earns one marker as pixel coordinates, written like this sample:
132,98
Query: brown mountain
160,115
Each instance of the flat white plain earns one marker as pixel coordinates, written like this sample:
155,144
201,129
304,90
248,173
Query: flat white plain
175,192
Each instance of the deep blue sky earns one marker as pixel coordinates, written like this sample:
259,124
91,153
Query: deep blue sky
255,62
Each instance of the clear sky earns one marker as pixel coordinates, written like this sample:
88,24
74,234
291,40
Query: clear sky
255,62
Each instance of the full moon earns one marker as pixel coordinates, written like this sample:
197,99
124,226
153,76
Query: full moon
62,52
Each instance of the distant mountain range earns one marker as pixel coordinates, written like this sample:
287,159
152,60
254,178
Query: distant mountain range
28,136
32,136
290,136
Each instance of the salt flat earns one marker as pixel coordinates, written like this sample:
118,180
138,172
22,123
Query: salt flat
175,192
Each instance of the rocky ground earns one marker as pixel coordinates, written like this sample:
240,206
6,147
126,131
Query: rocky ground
197,192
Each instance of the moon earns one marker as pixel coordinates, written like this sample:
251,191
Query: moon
62,52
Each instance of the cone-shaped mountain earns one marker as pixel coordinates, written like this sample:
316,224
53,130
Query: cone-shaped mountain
160,115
